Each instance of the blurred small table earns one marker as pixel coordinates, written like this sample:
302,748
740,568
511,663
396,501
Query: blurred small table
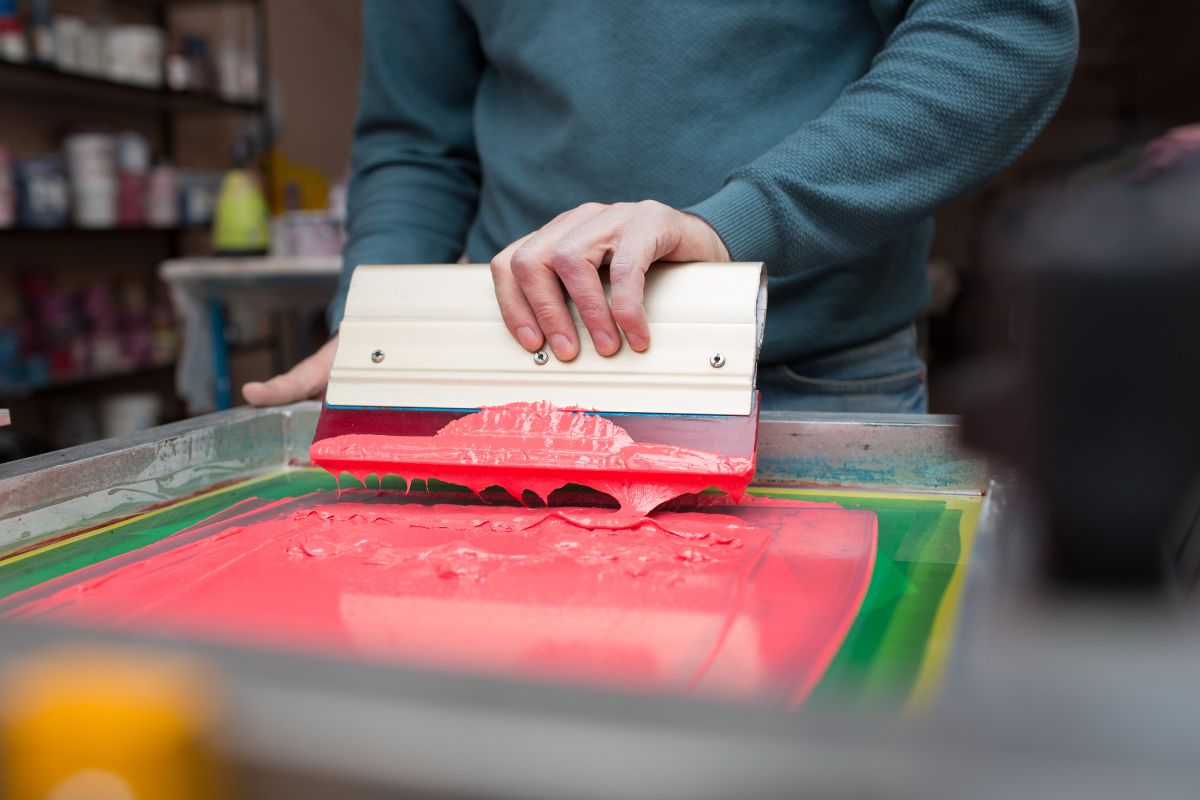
202,290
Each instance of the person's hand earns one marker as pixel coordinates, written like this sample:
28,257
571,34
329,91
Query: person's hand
306,379
568,251
1162,154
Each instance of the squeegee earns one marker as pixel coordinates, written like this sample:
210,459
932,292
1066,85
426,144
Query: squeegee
427,383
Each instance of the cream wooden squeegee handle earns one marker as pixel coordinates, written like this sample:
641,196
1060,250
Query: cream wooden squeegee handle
431,336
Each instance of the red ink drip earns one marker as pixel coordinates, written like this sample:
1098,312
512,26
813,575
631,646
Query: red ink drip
536,447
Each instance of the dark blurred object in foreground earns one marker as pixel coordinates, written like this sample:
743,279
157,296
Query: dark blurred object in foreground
1099,408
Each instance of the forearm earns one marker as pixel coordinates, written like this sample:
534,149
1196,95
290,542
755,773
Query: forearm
406,213
415,174
959,90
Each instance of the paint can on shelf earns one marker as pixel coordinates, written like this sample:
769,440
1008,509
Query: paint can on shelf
135,54
95,207
92,162
91,155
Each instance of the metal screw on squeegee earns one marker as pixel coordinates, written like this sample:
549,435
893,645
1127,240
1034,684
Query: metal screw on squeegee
376,356
540,357
716,360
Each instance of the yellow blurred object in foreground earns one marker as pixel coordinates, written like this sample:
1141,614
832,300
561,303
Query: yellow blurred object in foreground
107,724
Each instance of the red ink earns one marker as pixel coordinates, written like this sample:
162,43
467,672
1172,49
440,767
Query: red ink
743,601
536,447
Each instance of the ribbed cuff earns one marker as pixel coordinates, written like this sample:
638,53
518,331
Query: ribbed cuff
740,216
337,306
336,310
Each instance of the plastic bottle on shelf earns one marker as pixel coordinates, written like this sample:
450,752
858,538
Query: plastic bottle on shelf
69,32
133,164
242,225
8,192
102,338
198,197
12,35
251,89
178,70
201,71
162,196
41,32
92,45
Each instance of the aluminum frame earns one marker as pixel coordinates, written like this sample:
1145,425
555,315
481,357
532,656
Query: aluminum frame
78,488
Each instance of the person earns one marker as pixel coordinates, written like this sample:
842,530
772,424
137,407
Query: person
818,136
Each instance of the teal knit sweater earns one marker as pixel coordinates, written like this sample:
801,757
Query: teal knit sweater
818,136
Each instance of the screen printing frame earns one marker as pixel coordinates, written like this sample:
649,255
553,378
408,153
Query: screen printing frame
94,485
84,487
72,495
1072,697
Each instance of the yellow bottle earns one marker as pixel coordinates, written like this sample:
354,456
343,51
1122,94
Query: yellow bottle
242,223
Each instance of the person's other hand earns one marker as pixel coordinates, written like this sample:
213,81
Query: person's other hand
303,381
530,273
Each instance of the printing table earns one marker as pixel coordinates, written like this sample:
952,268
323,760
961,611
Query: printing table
900,713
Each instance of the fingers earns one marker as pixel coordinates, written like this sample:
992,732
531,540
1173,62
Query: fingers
530,274
576,259
529,292
518,316
627,273
307,379
650,235
544,294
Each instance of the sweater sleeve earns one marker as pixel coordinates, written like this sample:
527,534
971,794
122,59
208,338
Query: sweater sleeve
958,91
414,184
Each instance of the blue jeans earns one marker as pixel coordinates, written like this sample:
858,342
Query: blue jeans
884,376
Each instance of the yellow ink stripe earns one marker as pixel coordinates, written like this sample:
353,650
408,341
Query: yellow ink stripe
952,501
941,634
37,551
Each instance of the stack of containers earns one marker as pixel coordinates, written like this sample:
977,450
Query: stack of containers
133,166
92,162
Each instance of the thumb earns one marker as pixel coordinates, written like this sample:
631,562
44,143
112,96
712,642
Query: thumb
306,379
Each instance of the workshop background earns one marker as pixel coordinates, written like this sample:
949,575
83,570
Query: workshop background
121,177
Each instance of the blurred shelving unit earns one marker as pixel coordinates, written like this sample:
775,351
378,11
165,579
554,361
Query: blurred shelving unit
88,380
101,232
47,82
45,99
